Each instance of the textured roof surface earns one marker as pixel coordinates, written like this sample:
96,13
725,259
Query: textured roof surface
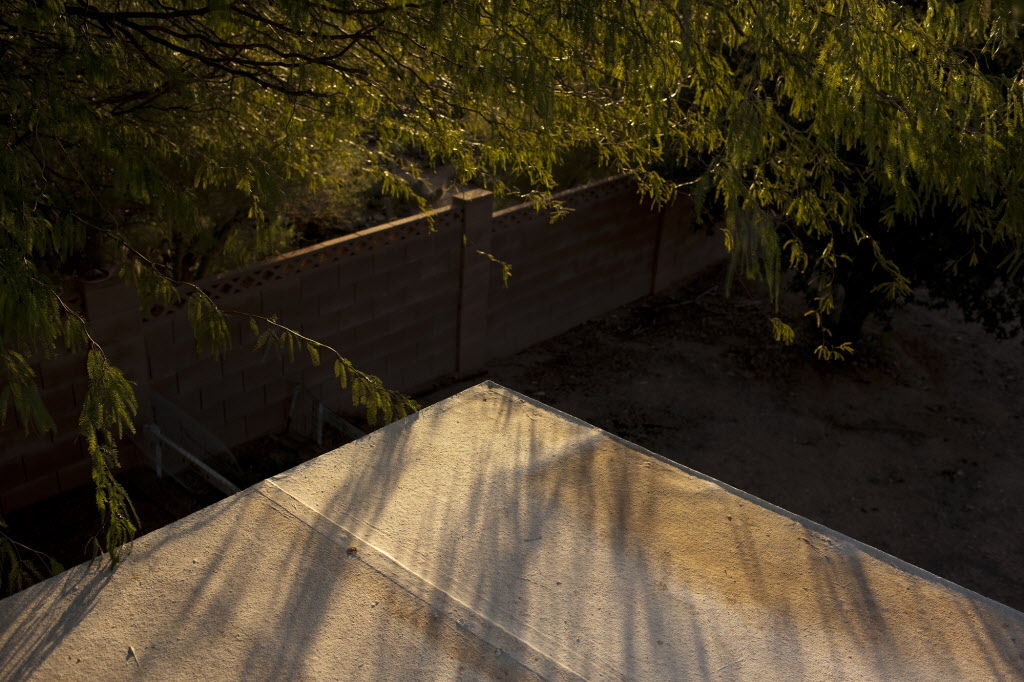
492,537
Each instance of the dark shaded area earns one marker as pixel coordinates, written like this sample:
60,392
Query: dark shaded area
62,526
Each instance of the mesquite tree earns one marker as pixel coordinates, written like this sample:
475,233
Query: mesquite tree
142,137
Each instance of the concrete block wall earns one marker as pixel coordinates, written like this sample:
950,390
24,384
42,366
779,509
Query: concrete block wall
384,297
593,260
412,301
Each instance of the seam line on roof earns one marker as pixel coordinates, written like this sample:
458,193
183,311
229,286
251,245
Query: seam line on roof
457,613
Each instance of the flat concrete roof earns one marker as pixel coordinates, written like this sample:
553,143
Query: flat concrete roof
492,537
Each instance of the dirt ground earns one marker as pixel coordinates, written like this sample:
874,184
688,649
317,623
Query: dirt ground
914,446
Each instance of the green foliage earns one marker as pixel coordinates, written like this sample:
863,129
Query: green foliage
506,267
182,131
827,351
964,269
20,566
156,142
782,332
20,392
208,324
108,411
368,391
108,414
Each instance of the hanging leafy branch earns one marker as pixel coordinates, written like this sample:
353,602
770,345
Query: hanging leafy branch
21,565
108,414
824,133
382,405
210,328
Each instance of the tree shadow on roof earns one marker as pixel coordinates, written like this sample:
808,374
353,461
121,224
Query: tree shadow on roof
490,537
